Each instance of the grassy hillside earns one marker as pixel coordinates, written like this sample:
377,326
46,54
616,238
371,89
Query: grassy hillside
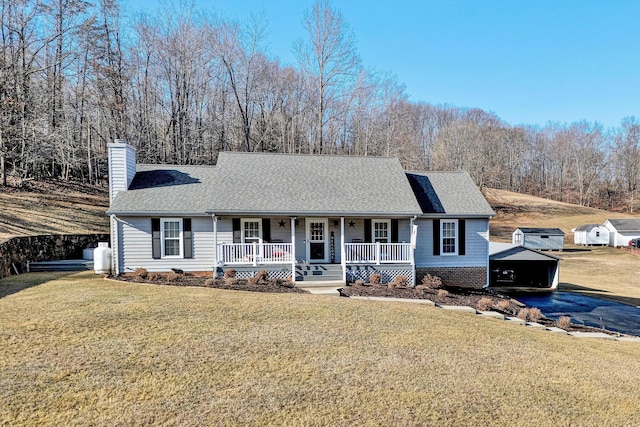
80,350
50,208
520,210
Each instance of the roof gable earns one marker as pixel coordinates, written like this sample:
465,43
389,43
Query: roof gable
449,193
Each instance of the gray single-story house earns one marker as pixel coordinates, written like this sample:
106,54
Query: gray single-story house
550,239
304,217
515,266
621,231
591,234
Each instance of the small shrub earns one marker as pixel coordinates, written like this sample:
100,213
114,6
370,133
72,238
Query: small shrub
230,273
391,285
419,289
564,322
442,293
485,304
503,305
172,277
209,282
375,279
154,276
261,277
140,273
433,282
252,281
359,282
535,314
523,314
400,281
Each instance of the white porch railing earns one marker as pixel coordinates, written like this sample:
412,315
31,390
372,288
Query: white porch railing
377,253
255,253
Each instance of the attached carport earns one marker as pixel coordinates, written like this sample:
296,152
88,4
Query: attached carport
516,266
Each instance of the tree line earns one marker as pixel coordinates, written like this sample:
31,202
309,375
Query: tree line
183,84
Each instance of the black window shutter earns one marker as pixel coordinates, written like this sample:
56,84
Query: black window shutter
156,251
436,237
462,237
266,229
187,238
394,231
367,231
237,238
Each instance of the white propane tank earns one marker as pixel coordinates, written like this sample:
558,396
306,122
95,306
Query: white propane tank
102,258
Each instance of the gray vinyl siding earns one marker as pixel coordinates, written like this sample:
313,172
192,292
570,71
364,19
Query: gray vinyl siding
540,243
135,247
476,243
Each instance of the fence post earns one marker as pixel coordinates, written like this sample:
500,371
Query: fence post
377,253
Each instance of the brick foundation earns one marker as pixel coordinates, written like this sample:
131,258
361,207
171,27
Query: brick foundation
468,277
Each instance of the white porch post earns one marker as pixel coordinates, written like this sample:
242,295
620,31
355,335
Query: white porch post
412,248
377,253
214,218
343,255
293,249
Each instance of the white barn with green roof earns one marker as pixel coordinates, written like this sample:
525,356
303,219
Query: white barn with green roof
307,217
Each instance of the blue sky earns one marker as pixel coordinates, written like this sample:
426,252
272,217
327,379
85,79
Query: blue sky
529,62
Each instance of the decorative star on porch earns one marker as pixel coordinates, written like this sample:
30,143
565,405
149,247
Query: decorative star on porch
281,223
352,224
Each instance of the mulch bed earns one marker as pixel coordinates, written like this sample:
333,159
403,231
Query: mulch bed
480,299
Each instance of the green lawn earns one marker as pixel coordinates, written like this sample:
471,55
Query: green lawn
80,350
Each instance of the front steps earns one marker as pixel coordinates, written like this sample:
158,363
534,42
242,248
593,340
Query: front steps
320,279
319,273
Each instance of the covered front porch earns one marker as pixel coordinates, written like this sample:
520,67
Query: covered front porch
310,248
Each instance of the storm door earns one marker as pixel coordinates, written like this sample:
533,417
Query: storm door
317,240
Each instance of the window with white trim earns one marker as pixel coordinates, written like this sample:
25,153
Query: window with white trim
449,237
171,237
381,231
251,230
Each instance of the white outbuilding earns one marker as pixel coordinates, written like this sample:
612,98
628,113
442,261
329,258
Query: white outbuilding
621,231
542,239
591,234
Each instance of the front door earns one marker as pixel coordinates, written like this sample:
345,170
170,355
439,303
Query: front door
317,242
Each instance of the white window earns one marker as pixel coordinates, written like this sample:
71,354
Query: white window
449,237
171,237
381,230
251,230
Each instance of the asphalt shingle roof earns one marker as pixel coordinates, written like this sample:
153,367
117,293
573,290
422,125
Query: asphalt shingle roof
170,189
533,230
286,184
312,184
625,225
451,193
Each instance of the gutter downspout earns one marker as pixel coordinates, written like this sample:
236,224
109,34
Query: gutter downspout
343,254
214,219
115,258
293,250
